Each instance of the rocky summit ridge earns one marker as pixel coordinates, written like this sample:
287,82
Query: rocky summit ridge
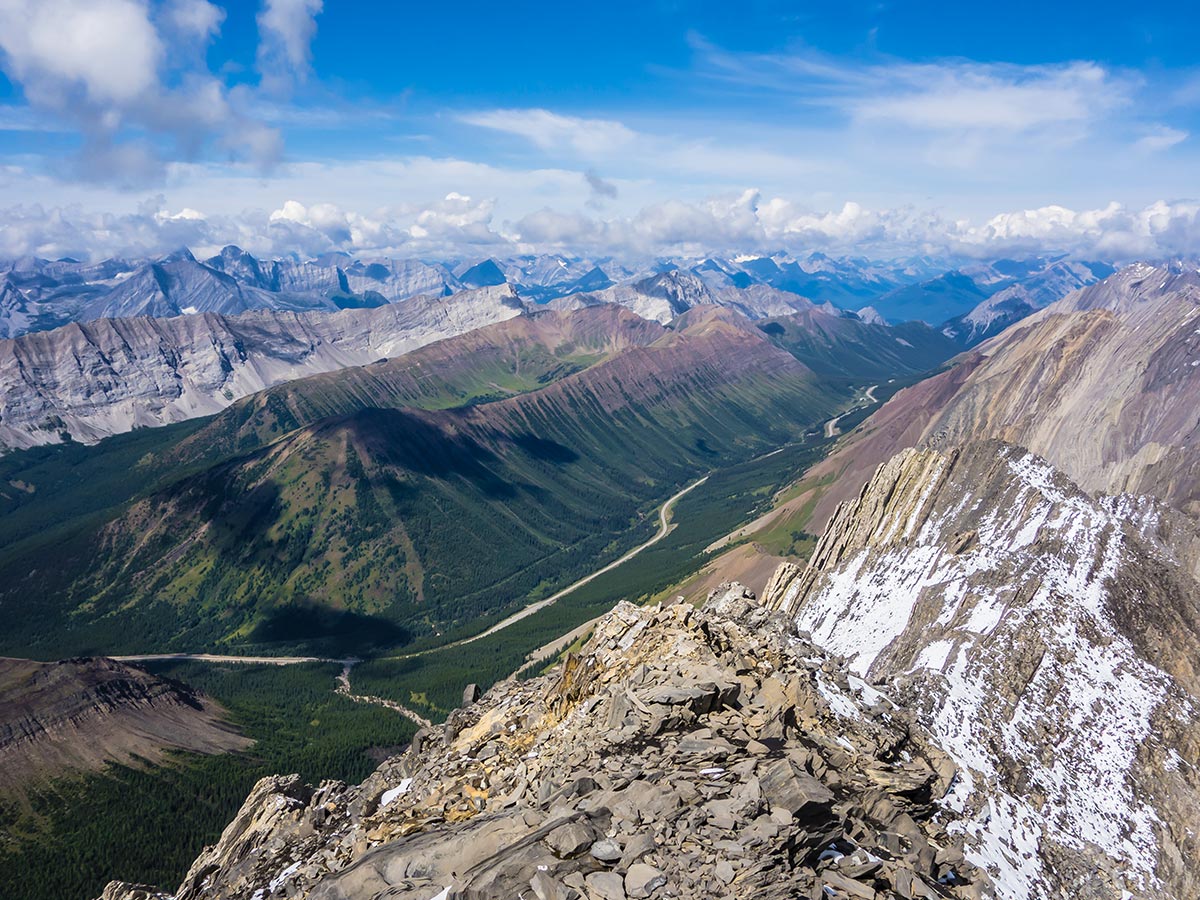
682,752
1048,641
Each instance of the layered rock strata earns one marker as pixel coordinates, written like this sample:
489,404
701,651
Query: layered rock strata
1049,642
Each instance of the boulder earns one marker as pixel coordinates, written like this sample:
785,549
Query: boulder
642,880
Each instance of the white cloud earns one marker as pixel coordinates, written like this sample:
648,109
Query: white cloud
747,224
553,132
465,225
966,96
107,50
326,226
195,17
1112,232
133,81
456,219
1159,138
975,116
286,30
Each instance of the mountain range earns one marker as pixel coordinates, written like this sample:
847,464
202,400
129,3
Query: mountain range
85,381
538,440
968,669
38,294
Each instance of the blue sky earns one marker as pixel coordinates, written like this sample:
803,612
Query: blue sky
886,128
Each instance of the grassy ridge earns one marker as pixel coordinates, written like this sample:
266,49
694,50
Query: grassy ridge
433,683
367,514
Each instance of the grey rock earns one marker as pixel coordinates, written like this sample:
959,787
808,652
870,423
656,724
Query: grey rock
848,887
606,885
607,850
635,848
570,840
796,792
112,375
643,880
545,887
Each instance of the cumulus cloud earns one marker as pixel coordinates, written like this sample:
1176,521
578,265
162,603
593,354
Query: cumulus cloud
1112,232
102,51
458,226
455,219
195,17
132,80
747,223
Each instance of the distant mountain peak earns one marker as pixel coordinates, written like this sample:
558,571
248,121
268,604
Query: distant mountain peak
871,316
183,254
483,274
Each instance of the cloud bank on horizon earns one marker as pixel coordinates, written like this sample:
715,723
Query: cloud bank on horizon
130,127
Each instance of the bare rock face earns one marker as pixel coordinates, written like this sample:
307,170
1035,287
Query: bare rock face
682,753
1048,640
1015,302
106,377
79,714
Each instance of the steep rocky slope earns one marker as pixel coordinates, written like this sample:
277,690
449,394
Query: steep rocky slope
79,714
106,377
1017,301
1048,640
1102,384
683,753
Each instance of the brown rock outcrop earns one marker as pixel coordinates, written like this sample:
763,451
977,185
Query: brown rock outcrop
80,714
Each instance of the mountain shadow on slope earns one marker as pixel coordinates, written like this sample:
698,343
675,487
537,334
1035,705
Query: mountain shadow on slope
328,631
